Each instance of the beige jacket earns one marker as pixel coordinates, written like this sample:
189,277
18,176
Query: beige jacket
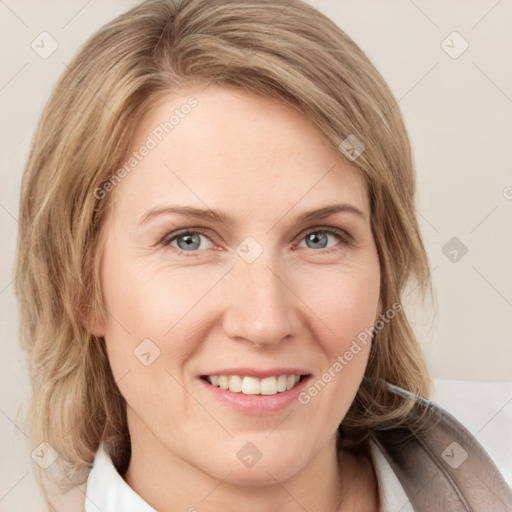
444,469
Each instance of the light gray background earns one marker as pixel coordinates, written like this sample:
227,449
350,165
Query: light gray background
458,113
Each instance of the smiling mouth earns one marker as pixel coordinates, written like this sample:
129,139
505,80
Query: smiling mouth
252,385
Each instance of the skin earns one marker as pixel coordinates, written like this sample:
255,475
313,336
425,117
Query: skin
206,308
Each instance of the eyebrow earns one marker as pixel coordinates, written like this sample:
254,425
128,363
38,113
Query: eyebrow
222,217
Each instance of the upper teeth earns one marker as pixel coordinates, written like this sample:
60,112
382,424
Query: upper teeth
253,385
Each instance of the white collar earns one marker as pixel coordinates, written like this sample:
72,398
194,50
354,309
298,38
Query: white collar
108,492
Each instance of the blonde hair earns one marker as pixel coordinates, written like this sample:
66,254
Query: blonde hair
285,50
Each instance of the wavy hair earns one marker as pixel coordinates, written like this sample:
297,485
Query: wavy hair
286,50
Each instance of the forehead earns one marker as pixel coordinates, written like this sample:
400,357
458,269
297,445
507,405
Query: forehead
226,148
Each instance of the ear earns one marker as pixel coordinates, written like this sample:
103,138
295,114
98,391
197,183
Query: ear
91,321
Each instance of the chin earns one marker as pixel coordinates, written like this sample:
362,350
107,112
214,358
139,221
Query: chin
261,475
262,463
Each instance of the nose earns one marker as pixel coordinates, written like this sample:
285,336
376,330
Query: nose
260,308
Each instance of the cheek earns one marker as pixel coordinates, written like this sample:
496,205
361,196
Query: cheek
152,297
344,299
153,322
146,316
346,310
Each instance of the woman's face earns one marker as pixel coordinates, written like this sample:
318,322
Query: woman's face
272,289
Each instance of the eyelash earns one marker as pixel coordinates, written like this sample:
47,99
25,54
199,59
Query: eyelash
345,238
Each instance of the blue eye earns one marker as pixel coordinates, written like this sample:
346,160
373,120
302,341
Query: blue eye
189,240
318,238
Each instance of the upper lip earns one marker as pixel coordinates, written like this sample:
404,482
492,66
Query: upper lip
258,372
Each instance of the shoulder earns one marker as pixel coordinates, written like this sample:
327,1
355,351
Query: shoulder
441,465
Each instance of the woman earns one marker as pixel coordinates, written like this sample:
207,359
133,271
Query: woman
217,224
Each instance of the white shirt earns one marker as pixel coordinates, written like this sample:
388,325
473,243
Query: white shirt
108,492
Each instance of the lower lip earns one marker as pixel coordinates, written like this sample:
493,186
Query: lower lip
256,404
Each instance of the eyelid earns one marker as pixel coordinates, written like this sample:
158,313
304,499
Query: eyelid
345,237
342,234
169,237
